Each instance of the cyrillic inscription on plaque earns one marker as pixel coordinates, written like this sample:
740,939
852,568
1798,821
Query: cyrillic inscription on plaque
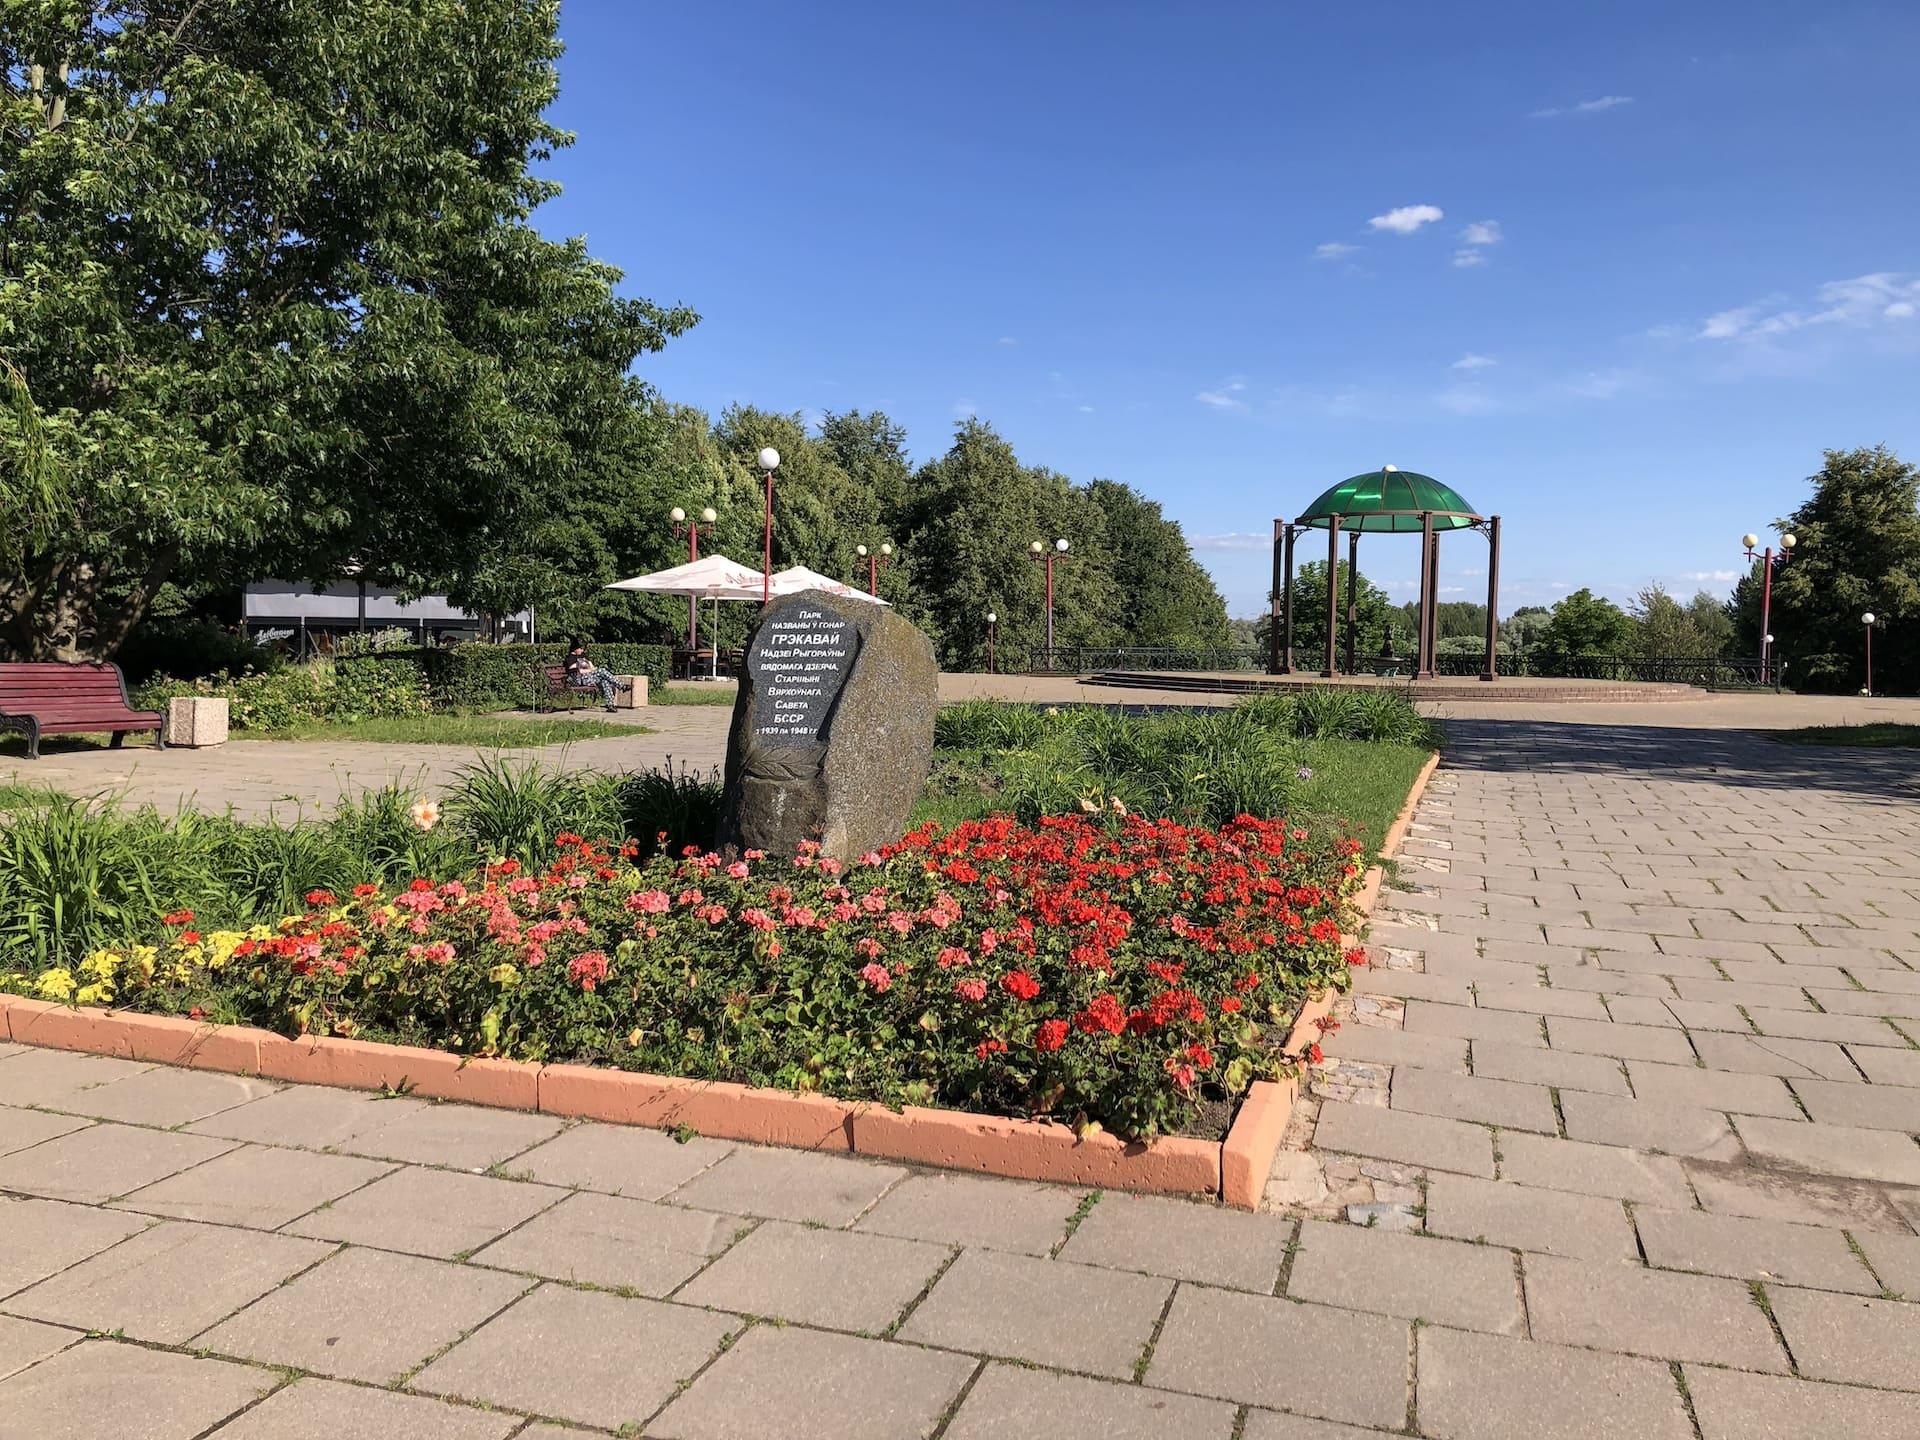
800,660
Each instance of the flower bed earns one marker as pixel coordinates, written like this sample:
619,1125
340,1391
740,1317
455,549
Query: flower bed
1108,972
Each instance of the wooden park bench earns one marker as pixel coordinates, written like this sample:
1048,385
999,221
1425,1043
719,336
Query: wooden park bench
552,684
47,698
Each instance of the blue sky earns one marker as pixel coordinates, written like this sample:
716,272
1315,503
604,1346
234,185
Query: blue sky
1617,271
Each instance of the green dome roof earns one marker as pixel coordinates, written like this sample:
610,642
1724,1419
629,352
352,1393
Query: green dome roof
1360,501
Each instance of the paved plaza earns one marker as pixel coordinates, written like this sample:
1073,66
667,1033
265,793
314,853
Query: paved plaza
1626,1111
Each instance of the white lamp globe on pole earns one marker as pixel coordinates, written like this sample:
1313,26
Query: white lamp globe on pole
769,459
769,462
677,515
709,515
1061,546
1749,540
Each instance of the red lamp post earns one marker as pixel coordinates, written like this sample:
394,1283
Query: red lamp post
692,528
993,621
1038,549
1767,561
769,462
1867,620
875,559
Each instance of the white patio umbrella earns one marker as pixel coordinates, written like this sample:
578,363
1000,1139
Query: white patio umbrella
796,578
711,577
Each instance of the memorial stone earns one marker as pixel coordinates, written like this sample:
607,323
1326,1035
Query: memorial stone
833,729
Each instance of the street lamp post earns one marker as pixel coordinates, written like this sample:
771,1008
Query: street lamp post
1867,620
693,528
1038,549
769,462
1767,561
992,621
875,559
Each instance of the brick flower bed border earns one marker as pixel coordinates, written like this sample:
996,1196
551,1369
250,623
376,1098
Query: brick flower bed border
1234,1170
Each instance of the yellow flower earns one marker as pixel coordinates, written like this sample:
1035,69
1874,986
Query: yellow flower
220,947
56,985
503,974
101,963
97,994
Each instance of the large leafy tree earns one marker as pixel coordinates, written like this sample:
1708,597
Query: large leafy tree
1667,630
1382,624
270,301
1858,550
1166,597
1584,623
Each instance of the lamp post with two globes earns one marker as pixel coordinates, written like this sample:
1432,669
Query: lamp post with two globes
769,462
1039,551
1767,561
875,559
692,528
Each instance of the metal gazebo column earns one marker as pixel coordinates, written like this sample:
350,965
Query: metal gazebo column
1333,597
1353,595
1286,610
1492,671
1423,659
1274,604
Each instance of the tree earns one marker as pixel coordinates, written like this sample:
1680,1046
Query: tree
1522,630
1380,620
1664,629
1712,623
1858,551
1166,597
271,293
1585,624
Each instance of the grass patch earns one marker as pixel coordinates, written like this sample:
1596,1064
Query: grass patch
692,694
1854,737
482,732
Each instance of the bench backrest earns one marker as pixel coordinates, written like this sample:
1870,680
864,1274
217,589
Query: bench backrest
46,688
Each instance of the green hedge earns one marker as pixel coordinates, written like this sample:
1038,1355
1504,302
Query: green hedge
501,677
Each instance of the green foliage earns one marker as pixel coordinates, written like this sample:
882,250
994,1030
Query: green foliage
186,649
274,299
1379,618
1586,624
1858,551
318,692
1666,630
506,677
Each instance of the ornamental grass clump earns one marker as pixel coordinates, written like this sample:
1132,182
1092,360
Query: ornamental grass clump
1102,970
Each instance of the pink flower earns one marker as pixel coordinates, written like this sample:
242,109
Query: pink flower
649,902
738,870
951,956
756,919
975,989
878,976
870,947
589,968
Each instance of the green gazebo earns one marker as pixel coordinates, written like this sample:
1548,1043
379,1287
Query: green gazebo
1388,501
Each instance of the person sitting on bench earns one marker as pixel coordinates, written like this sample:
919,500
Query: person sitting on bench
583,672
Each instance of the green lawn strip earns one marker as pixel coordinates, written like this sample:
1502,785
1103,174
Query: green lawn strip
484,732
693,694
1855,737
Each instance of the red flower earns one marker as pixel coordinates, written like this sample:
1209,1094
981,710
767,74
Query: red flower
974,989
878,976
989,1047
319,897
1104,1014
189,937
1313,1054
1020,985
589,968
178,917
1357,956
362,891
1230,1006
1051,1035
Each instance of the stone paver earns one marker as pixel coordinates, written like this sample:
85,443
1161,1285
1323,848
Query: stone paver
27,1342
104,1388
309,1408
1652,1125
644,1164
1851,1338
1442,1281
1649,1312
20,1129
831,1278
1262,1351
803,1384
790,1185
1584,1227
1733,1405
169,1283
39,1238
364,1315
1751,1249
968,1210
1424,1140
1593,1169
1073,1317
611,1241
50,1078
1005,1401
1473,1097
96,1164
309,1116
1822,1149
1563,1068
256,1187
1896,1260
429,1212
1486,1387
579,1355
461,1136
165,1097
1873,1107
1188,1242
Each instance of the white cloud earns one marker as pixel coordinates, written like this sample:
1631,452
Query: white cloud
963,409
1006,340
1584,107
1232,540
1703,577
1471,361
1086,409
1333,250
1603,384
1407,219
1467,259
1227,397
1856,304
1482,232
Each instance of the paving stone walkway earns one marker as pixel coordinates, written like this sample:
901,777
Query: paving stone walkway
1632,1117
